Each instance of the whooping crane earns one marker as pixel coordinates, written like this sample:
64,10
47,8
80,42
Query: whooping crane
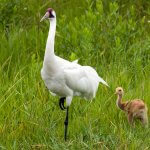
64,78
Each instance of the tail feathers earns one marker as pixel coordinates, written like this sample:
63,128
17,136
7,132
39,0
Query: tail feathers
102,81
75,61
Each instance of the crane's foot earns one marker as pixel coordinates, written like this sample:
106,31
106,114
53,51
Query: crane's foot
61,103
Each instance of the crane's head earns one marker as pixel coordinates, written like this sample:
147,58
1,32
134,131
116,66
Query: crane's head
119,91
50,14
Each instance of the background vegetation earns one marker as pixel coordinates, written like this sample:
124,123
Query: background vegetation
110,35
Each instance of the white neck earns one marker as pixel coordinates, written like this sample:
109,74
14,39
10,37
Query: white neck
49,52
49,57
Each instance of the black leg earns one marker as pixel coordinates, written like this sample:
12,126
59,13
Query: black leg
66,123
61,103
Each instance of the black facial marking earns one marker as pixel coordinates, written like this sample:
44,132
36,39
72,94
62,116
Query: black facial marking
119,90
50,12
51,15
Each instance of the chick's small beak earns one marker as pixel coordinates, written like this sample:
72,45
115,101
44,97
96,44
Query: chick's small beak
45,16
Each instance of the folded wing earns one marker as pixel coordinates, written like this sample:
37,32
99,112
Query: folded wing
83,80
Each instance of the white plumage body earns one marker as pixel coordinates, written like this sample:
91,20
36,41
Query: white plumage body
72,79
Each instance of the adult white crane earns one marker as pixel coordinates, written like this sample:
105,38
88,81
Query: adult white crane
64,78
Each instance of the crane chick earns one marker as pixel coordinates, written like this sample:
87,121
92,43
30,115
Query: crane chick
135,109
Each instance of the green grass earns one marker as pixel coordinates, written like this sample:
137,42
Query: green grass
104,35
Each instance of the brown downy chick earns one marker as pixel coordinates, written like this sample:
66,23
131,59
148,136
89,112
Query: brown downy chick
134,108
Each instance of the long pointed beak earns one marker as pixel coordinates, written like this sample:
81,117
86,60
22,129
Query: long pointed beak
45,16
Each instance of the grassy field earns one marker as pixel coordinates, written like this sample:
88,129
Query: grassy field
112,36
